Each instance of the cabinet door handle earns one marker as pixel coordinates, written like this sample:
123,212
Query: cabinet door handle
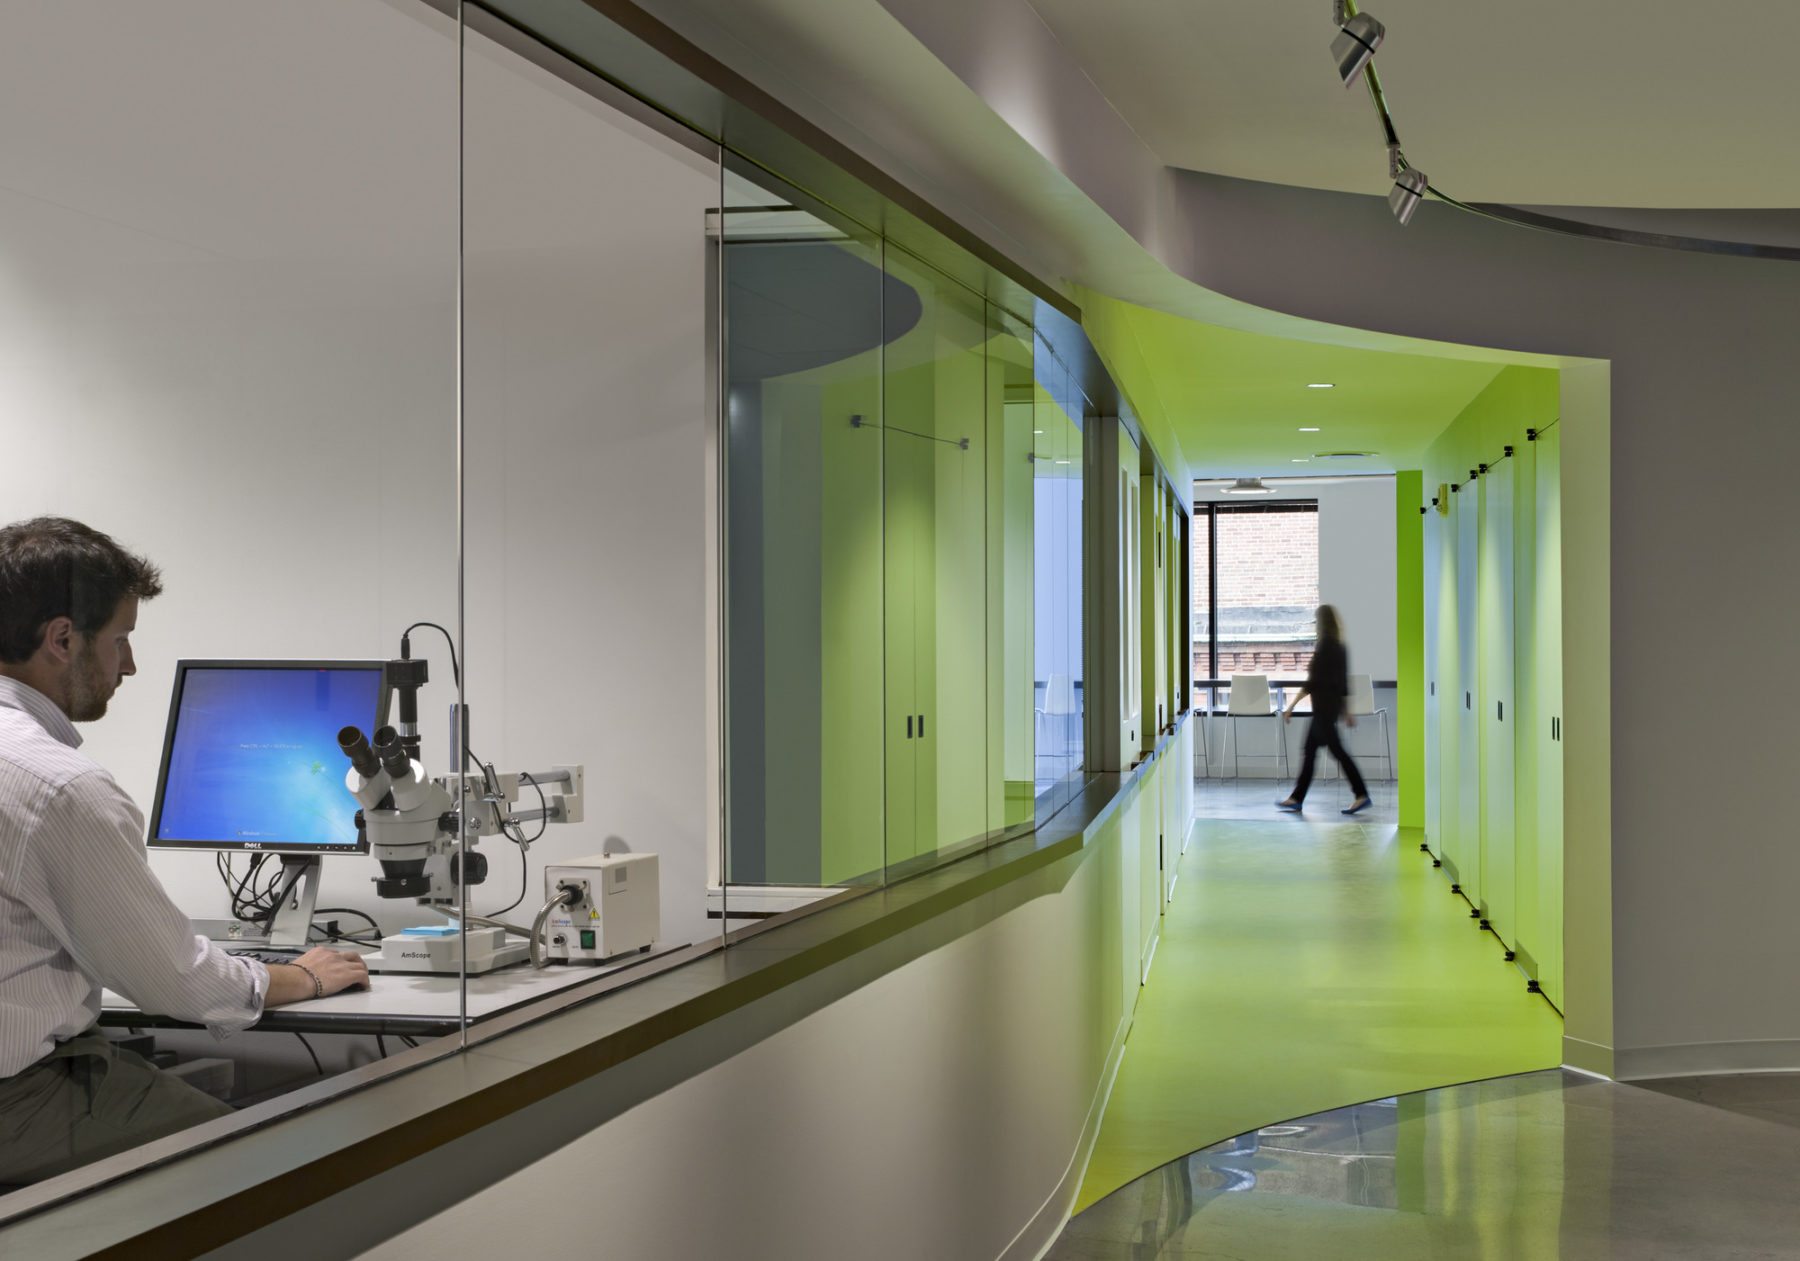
921,726
909,726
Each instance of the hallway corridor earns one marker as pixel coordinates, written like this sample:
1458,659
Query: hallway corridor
1307,963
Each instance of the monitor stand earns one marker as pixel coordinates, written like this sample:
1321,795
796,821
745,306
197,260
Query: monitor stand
297,894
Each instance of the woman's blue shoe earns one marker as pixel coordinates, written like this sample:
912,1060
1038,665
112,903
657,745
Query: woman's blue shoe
1360,806
1292,806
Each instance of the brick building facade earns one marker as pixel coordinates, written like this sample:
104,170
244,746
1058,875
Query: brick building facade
1268,574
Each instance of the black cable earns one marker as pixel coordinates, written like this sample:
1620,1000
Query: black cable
409,1041
543,804
524,843
455,668
1521,217
381,1045
249,903
524,883
267,901
349,910
364,936
311,1052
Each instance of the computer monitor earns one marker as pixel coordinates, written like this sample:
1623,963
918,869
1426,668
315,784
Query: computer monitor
251,761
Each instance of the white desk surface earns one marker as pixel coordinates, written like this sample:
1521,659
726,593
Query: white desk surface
412,996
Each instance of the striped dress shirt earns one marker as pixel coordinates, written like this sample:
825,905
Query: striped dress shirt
79,907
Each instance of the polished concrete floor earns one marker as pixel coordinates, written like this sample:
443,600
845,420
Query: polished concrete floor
1541,1165
1306,962
1256,798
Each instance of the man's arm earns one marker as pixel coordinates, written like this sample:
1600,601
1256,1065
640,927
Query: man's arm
318,972
94,888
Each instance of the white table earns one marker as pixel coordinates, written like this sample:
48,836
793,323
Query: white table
404,1003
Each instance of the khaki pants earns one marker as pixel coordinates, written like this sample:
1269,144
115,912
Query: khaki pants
89,1099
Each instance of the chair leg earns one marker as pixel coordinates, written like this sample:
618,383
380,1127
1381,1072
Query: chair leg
1234,748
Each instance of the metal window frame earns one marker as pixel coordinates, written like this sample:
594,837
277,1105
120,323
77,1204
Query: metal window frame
1210,509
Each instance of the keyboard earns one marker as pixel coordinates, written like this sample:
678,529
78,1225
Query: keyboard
267,954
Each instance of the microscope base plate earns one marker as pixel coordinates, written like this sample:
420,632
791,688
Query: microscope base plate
488,949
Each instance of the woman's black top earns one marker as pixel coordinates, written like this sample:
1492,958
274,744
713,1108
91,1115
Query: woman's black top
1328,678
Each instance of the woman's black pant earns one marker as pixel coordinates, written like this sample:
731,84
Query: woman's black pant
1323,730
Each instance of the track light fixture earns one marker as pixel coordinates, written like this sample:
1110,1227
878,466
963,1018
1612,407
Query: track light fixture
1359,35
1410,187
1247,486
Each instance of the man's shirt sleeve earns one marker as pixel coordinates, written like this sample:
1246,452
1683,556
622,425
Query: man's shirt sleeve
115,919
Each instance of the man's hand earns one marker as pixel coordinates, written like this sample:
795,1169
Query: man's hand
1349,719
335,969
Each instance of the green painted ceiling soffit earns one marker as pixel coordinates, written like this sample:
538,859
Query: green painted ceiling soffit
1236,403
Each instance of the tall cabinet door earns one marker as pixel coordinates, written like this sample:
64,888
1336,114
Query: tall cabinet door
1548,632
1468,729
1499,715
953,691
907,511
1153,634
1434,533
1447,703
1131,660
936,621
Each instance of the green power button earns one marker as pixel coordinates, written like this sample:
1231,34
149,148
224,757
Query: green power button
587,939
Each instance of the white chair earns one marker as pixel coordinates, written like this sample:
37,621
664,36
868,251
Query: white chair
1361,702
1251,698
1059,704
1202,711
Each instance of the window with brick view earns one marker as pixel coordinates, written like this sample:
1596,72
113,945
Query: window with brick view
1264,564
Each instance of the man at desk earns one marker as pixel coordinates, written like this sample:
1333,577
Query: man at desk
79,907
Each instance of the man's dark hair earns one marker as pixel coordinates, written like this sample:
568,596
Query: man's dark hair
53,567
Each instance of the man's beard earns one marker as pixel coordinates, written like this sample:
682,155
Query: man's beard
89,688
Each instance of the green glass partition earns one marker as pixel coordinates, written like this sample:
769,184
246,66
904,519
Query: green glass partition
806,313
934,441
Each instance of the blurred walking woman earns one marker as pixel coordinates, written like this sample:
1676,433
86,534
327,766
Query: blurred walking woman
1328,683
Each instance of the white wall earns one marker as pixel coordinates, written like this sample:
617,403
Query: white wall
227,337
934,1095
1356,569
1356,561
1356,574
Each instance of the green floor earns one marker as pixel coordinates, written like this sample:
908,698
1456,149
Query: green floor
1304,966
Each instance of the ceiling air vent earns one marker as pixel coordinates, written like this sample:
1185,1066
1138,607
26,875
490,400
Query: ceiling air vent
1344,455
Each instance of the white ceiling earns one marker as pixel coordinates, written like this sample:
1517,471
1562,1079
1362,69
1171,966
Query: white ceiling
1597,103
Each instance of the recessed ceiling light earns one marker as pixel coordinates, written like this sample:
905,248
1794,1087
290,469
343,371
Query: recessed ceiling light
1247,486
1297,461
1309,429
1062,461
1037,431
1321,385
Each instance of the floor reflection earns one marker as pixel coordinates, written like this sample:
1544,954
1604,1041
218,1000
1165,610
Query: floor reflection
1550,1164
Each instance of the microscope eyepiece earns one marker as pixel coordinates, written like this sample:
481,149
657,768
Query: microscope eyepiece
394,758
356,747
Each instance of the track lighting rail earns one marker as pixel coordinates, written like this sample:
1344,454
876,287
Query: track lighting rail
1359,35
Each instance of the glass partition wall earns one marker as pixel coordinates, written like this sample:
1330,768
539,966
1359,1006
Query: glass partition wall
878,543
588,436
806,311
1059,410
228,320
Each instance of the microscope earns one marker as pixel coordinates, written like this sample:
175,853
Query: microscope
414,827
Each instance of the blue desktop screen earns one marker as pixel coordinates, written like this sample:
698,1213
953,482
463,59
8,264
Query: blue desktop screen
253,757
